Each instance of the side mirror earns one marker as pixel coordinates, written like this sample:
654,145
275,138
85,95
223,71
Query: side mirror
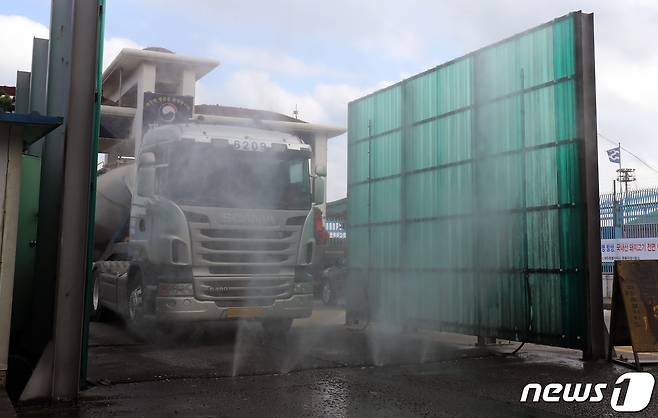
146,175
321,171
318,190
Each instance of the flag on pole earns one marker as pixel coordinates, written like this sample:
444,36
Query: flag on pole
614,155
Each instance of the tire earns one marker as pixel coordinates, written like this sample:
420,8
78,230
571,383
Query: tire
135,314
328,294
96,307
278,327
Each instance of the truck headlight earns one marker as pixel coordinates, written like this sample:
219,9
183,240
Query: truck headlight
179,252
175,289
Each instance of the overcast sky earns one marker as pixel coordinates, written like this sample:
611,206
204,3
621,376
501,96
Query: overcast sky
318,55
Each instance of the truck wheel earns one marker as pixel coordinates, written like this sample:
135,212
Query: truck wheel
328,293
96,308
277,327
135,299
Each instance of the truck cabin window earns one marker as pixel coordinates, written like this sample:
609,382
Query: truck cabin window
212,176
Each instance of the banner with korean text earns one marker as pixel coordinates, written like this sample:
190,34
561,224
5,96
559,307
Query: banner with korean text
629,249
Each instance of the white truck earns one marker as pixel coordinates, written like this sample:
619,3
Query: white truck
210,222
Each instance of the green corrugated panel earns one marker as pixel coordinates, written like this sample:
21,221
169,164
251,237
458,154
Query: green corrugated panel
497,251
359,119
439,244
501,126
384,246
454,85
423,96
385,198
541,177
491,186
421,251
547,288
543,239
565,105
444,192
502,303
387,110
564,54
571,238
502,187
439,142
536,57
498,71
357,247
385,155
358,162
572,289
357,204
440,91
540,116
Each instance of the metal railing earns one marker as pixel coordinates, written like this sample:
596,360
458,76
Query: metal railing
627,215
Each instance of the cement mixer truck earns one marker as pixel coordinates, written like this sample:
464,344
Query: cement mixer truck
209,222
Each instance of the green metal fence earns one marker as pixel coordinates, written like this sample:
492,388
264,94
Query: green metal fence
466,198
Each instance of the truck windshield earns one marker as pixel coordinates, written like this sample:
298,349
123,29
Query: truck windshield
211,176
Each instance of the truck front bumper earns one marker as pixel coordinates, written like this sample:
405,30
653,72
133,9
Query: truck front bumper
191,309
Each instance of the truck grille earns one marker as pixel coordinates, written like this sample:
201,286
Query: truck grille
251,265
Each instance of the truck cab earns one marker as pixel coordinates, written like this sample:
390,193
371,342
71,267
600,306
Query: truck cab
222,226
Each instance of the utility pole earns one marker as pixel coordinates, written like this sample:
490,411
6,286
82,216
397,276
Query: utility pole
624,176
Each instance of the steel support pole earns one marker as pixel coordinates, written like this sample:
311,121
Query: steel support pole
23,91
39,76
38,81
72,265
59,77
92,195
595,342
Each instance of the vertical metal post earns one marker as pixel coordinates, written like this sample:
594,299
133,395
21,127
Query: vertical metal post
145,83
594,347
38,82
405,134
23,91
475,224
39,75
370,314
50,197
617,214
92,194
72,265
188,82
524,194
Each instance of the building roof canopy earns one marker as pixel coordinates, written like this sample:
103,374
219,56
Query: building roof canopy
129,60
34,126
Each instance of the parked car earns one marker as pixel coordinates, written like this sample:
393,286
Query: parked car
332,282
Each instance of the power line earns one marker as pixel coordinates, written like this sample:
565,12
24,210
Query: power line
629,151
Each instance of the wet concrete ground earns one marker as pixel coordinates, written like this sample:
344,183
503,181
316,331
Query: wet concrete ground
323,369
